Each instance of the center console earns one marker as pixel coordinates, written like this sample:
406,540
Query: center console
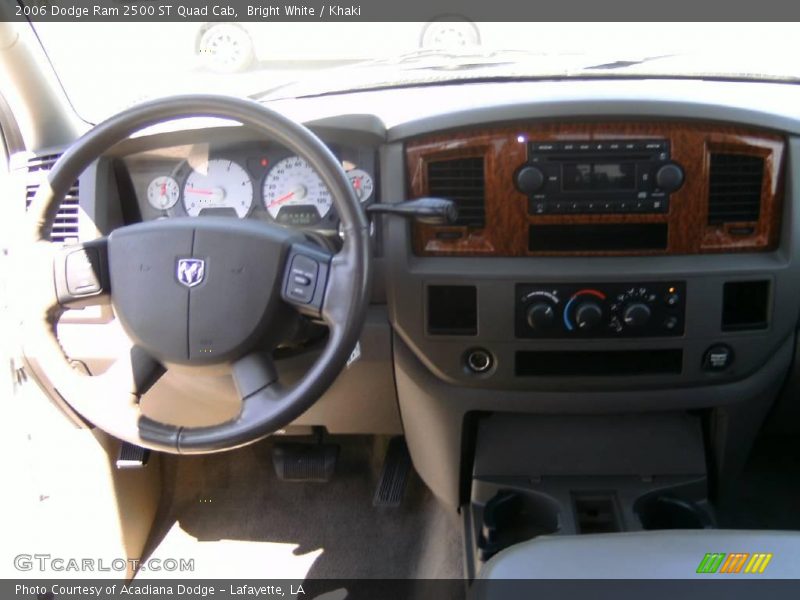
551,475
598,267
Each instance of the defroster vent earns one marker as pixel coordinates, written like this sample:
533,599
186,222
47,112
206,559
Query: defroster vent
460,180
65,227
734,193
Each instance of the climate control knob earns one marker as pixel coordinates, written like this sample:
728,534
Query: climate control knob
588,315
541,316
636,314
530,179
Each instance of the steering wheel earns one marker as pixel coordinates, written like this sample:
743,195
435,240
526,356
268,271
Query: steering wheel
195,291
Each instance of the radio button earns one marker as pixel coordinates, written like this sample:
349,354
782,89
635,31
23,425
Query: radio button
660,206
657,146
530,179
669,177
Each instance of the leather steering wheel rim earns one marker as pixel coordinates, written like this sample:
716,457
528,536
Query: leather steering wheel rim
110,401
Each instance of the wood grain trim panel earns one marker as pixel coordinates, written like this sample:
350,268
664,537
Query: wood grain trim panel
507,218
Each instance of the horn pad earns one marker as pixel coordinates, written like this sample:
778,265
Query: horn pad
197,290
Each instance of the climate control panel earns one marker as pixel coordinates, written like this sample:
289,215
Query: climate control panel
604,310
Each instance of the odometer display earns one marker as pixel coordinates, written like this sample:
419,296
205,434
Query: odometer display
294,194
298,216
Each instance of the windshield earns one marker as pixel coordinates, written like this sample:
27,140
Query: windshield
105,68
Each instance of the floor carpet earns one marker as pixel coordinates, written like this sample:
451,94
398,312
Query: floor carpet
232,515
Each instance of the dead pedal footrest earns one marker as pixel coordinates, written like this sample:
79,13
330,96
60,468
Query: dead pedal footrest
394,474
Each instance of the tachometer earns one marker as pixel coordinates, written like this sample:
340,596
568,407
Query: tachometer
223,184
294,194
163,192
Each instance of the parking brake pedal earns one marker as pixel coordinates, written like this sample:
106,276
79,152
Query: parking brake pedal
394,474
132,457
304,462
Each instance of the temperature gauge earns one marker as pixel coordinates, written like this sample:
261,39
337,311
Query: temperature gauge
362,184
163,192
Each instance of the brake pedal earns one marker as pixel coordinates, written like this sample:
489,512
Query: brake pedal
298,462
394,474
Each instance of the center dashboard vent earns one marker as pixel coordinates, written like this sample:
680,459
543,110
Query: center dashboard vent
462,181
65,226
734,193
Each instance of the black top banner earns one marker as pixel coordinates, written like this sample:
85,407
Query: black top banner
395,10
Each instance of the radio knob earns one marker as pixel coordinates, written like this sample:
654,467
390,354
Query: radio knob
588,315
541,316
636,314
669,177
530,179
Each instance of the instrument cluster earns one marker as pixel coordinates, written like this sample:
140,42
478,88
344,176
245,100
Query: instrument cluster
244,180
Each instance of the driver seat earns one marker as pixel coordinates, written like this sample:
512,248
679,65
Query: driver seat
666,554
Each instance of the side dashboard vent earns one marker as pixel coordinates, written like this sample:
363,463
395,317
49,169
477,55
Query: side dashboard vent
460,180
734,191
65,227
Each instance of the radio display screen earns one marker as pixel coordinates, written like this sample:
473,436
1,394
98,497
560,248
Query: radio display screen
605,177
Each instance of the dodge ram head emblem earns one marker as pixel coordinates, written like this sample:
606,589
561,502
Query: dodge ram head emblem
191,271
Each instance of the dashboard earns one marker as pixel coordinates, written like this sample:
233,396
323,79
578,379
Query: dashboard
583,276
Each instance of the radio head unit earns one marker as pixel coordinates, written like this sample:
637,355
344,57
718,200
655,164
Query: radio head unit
626,176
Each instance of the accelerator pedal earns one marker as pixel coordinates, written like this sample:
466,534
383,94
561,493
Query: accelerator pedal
305,462
132,457
394,474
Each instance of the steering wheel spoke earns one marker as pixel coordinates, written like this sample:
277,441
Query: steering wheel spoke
253,373
306,278
80,274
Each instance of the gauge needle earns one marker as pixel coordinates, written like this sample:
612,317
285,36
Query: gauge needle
215,195
298,191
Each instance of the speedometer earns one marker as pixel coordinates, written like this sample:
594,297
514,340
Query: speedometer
221,184
294,194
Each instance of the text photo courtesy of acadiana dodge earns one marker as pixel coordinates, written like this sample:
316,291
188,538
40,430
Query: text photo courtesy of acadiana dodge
137,590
